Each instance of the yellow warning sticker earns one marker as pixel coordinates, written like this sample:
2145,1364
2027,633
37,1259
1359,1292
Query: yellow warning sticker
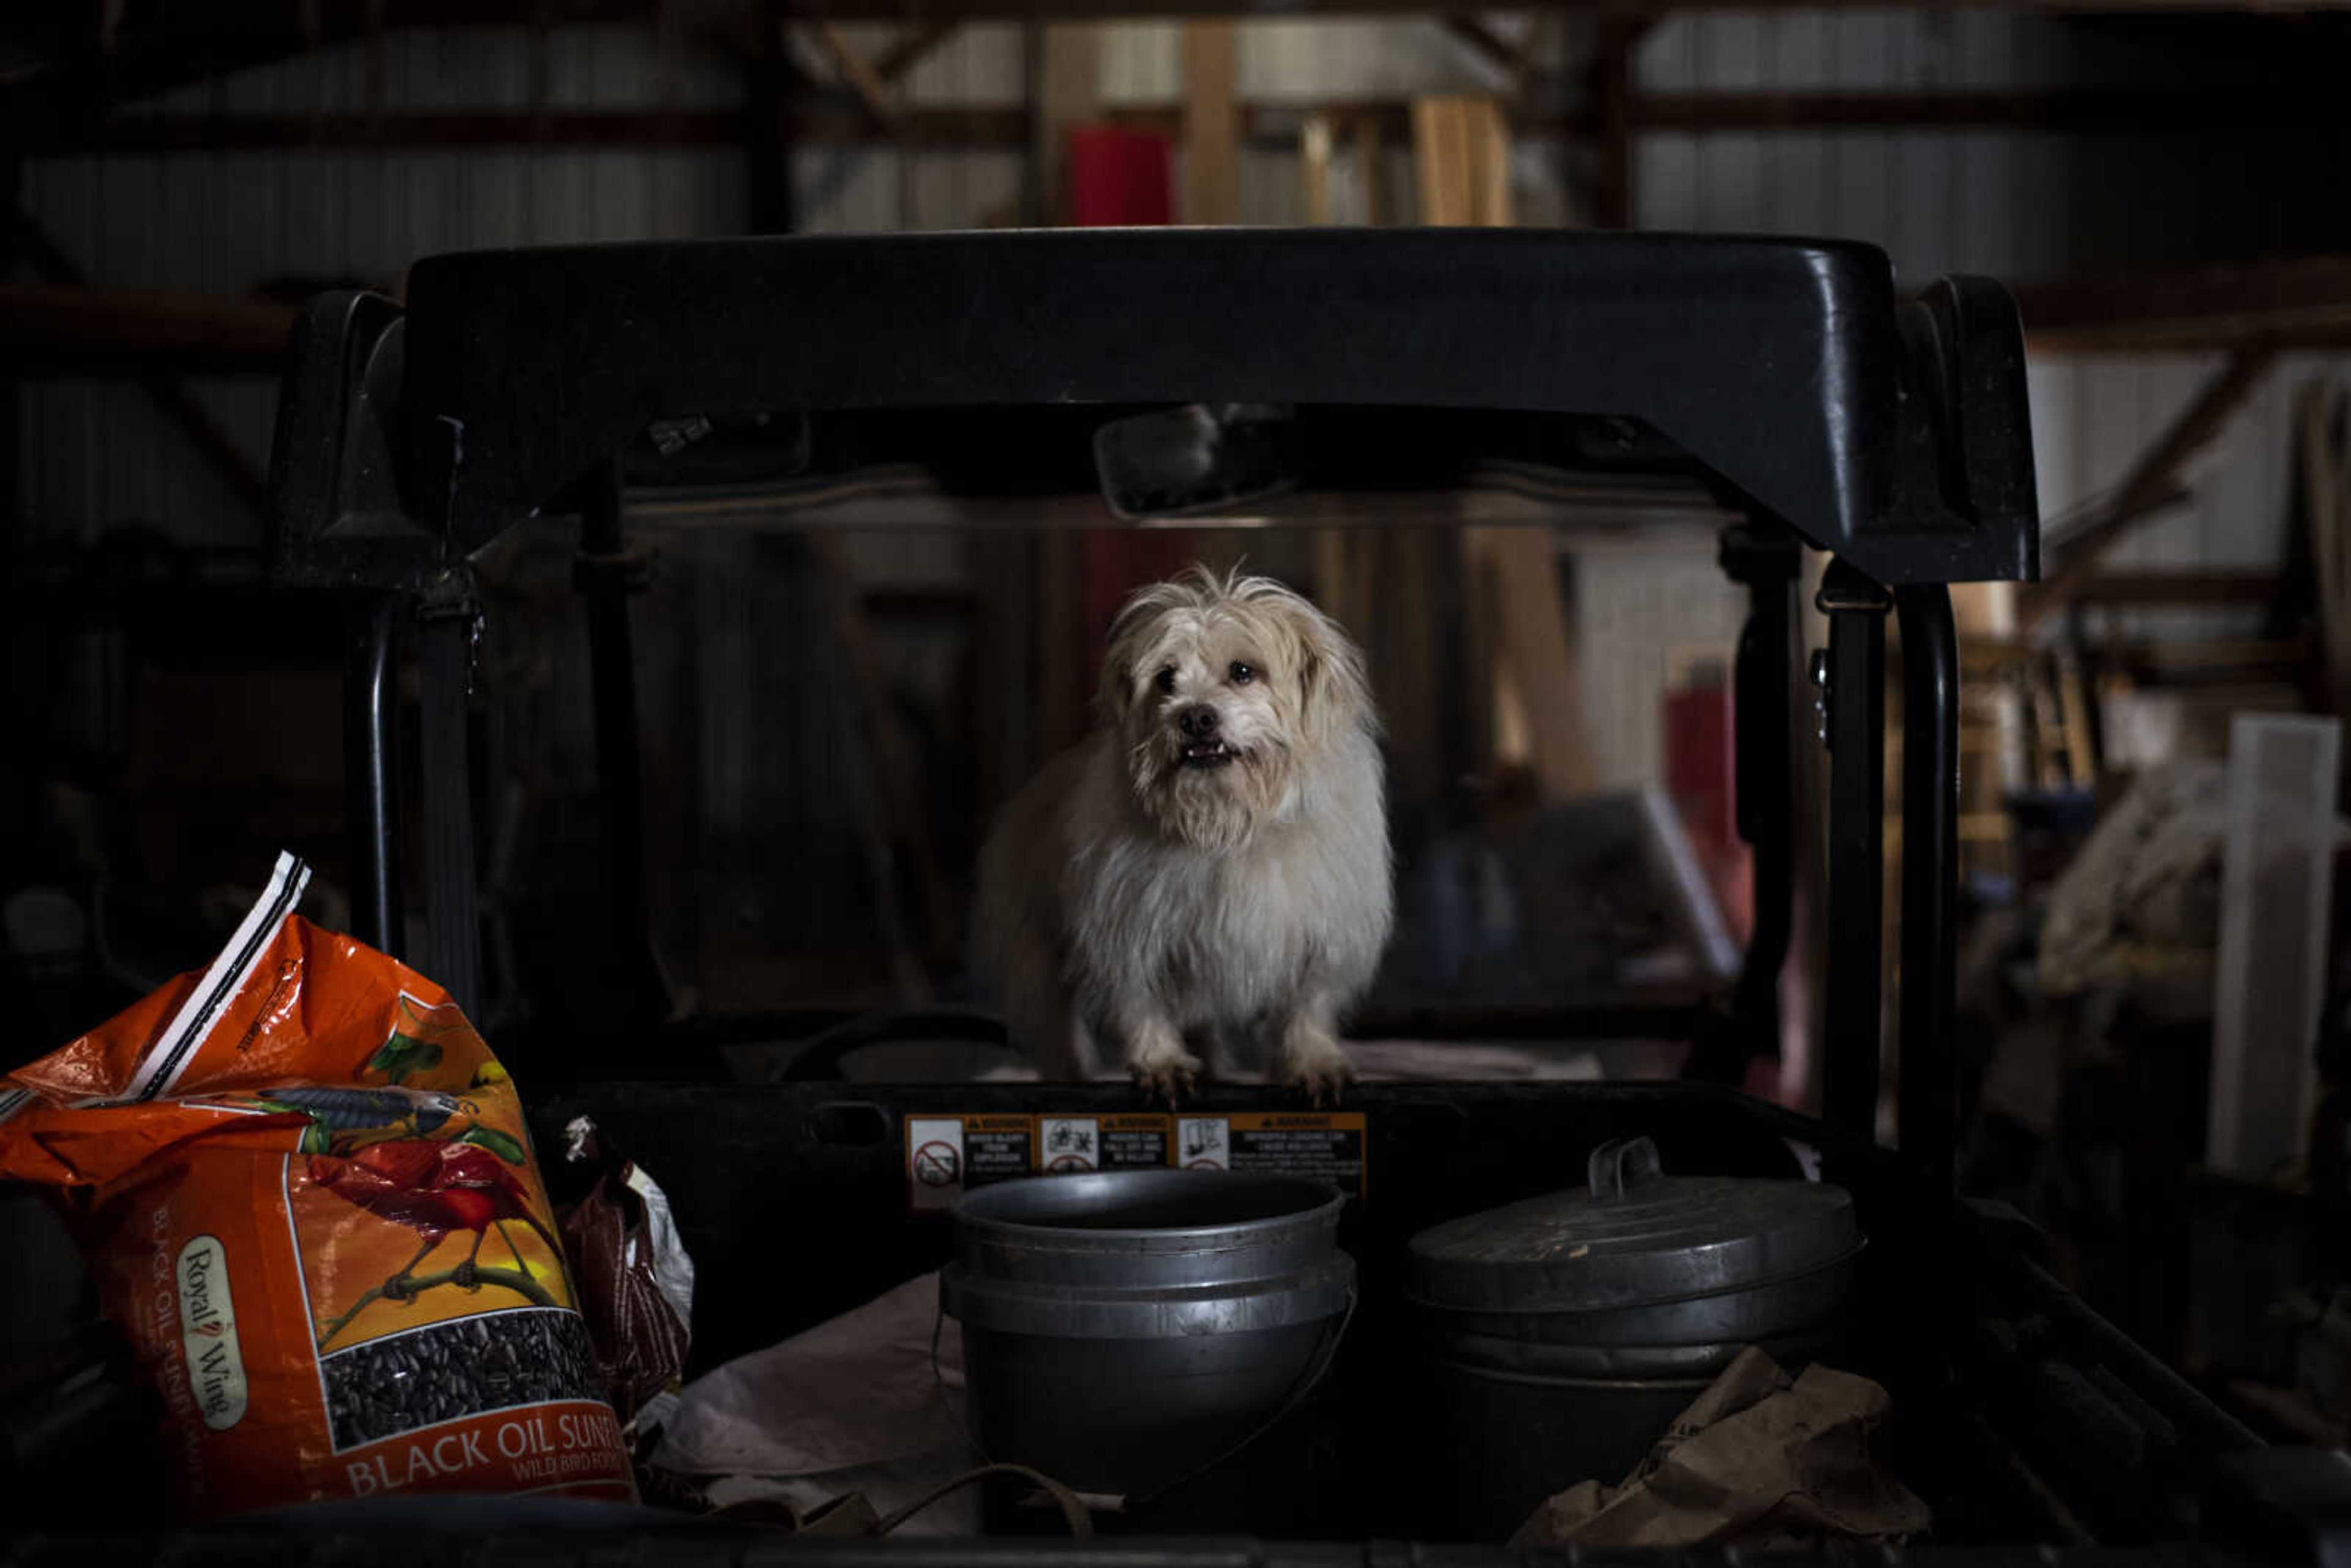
997,1149
1326,1145
1135,1141
947,1153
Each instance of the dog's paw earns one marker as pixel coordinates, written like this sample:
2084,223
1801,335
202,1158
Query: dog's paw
1321,1073
1165,1073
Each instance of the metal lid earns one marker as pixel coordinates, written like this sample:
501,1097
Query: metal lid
1635,1237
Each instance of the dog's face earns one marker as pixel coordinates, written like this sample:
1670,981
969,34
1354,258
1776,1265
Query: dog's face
1227,694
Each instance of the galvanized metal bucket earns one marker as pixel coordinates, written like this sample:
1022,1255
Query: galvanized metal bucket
1562,1335
1123,1331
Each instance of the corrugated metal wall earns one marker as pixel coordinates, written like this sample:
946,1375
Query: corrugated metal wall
97,456
2012,204
2016,204
1937,201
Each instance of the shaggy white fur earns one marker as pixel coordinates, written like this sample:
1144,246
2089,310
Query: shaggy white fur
1209,868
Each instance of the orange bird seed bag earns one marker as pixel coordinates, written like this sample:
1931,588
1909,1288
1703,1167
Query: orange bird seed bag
306,1190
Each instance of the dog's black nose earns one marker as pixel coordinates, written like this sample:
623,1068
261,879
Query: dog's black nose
1198,722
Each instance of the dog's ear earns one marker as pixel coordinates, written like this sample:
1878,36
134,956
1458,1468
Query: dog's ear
1115,696
1334,693
1116,692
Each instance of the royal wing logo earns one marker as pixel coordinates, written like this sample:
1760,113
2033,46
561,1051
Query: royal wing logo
208,1332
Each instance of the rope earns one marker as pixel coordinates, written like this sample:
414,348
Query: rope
1310,1379
1073,1508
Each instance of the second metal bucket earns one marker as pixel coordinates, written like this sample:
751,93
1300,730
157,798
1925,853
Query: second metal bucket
1560,1336
1123,1329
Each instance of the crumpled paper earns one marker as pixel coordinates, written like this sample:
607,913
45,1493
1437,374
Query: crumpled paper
851,1406
1755,1460
2141,901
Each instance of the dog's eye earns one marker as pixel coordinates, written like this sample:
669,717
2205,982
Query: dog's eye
1164,680
1241,674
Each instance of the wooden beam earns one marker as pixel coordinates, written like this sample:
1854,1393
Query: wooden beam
1542,37
1521,647
1461,152
1472,30
665,52
2155,474
538,88
1371,164
2058,533
2172,659
858,75
1612,96
2324,466
2302,303
2200,109
911,49
1065,90
77,327
1490,142
1527,656
766,130
164,46
1212,124
829,118
166,391
1314,168
2179,589
1440,161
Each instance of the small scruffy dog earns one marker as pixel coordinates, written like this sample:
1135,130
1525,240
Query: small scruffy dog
1211,864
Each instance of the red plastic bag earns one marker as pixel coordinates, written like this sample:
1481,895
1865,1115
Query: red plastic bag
306,1189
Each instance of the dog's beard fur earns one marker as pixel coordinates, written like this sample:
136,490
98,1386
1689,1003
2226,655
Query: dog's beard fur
1217,810
1160,882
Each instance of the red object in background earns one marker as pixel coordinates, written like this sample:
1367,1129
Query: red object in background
1119,178
1701,775
1699,750
1116,564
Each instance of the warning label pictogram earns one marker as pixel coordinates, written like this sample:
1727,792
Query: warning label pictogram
1202,1144
933,1160
1070,1143
947,1154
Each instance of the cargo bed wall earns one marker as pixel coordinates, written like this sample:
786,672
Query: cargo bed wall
799,1202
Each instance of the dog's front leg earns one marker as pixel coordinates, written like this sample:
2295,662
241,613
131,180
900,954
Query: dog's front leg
1155,1051
1306,1053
